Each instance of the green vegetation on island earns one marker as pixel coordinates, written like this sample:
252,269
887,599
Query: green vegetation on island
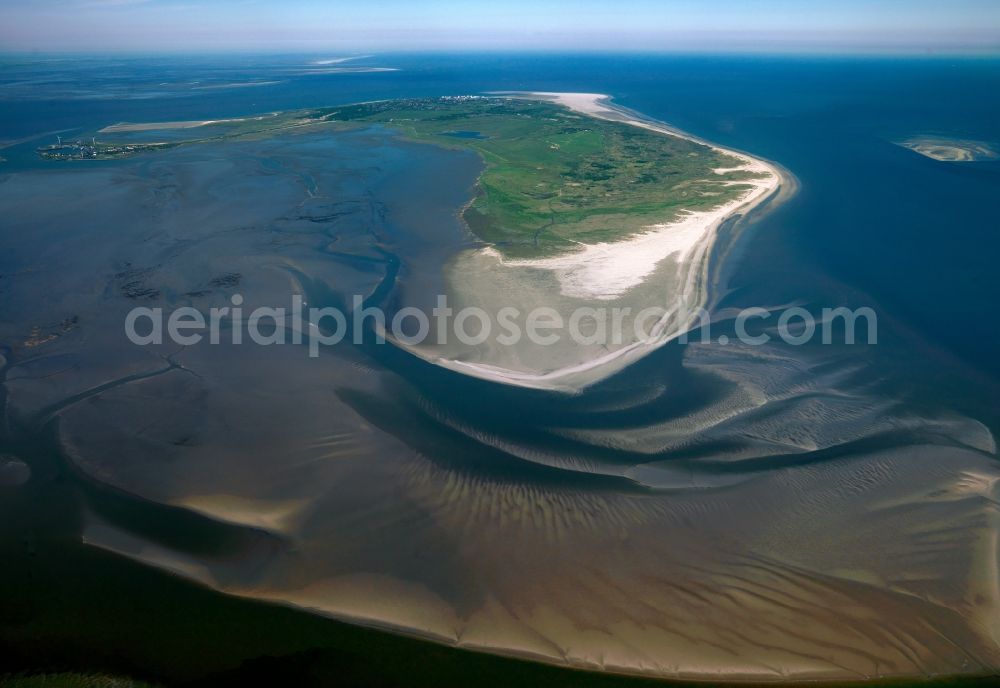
553,179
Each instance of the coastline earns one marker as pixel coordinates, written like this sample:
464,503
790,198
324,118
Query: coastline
605,271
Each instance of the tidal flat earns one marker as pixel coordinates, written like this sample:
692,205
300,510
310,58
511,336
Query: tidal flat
704,512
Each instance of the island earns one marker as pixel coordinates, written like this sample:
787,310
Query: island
579,203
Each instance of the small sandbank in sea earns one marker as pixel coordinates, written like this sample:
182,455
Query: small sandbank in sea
949,149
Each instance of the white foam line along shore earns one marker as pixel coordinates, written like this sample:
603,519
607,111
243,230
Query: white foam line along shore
606,271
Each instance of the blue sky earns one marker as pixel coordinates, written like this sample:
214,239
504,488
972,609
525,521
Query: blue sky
386,25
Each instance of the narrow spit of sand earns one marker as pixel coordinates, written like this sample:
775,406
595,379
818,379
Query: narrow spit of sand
188,124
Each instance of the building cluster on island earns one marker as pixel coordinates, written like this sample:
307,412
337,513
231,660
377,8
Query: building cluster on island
374,107
94,150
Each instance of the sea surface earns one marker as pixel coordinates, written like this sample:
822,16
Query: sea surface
688,516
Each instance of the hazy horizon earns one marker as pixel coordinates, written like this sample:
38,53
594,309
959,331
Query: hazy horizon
723,26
